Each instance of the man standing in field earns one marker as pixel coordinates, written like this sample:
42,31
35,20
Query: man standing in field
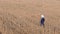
42,20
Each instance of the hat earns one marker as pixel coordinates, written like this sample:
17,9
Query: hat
42,16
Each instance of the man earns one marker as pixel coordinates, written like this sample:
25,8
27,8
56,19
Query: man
42,20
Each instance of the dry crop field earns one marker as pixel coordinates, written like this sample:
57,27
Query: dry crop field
23,16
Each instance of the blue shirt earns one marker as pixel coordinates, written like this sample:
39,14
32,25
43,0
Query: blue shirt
42,21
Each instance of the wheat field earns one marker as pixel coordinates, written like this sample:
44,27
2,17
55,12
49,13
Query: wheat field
23,16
